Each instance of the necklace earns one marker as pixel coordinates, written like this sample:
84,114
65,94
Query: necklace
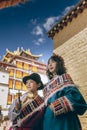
31,95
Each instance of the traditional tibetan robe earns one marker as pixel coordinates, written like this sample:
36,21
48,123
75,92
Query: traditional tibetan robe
30,114
66,104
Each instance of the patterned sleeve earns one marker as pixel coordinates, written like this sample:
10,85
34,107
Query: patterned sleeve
71,101
11,113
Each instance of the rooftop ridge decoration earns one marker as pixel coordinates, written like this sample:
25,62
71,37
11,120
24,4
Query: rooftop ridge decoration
27,51
67,18
8,51
19,52
8,3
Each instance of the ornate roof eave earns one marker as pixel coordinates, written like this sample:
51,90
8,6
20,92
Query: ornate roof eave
5,59
36,56
29,53
8,54
67,18
25,58
8,51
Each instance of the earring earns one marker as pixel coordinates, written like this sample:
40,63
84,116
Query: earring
39,85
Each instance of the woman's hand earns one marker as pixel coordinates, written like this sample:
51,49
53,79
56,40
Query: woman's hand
51,107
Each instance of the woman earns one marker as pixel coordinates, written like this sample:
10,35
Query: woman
63,100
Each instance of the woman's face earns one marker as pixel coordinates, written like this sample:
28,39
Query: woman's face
52,66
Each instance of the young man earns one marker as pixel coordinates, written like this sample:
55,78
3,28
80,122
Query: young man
26,111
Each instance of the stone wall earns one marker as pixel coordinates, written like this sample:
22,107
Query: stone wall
74,27
74,52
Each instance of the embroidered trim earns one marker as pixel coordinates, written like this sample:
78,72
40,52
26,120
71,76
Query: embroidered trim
31,106
61,105
58,81
56,85
36,105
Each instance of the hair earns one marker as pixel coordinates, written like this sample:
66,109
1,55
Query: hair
60,68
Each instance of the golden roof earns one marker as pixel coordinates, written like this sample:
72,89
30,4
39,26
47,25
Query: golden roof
27,52
19,52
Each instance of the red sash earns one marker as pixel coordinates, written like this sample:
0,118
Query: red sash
31,114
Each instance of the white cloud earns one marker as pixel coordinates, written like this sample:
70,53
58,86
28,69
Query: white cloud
67,9
37,31
50,22
38,41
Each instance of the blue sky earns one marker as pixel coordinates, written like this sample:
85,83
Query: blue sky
26,25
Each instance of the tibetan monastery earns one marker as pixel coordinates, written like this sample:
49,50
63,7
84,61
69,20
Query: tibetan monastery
19,63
